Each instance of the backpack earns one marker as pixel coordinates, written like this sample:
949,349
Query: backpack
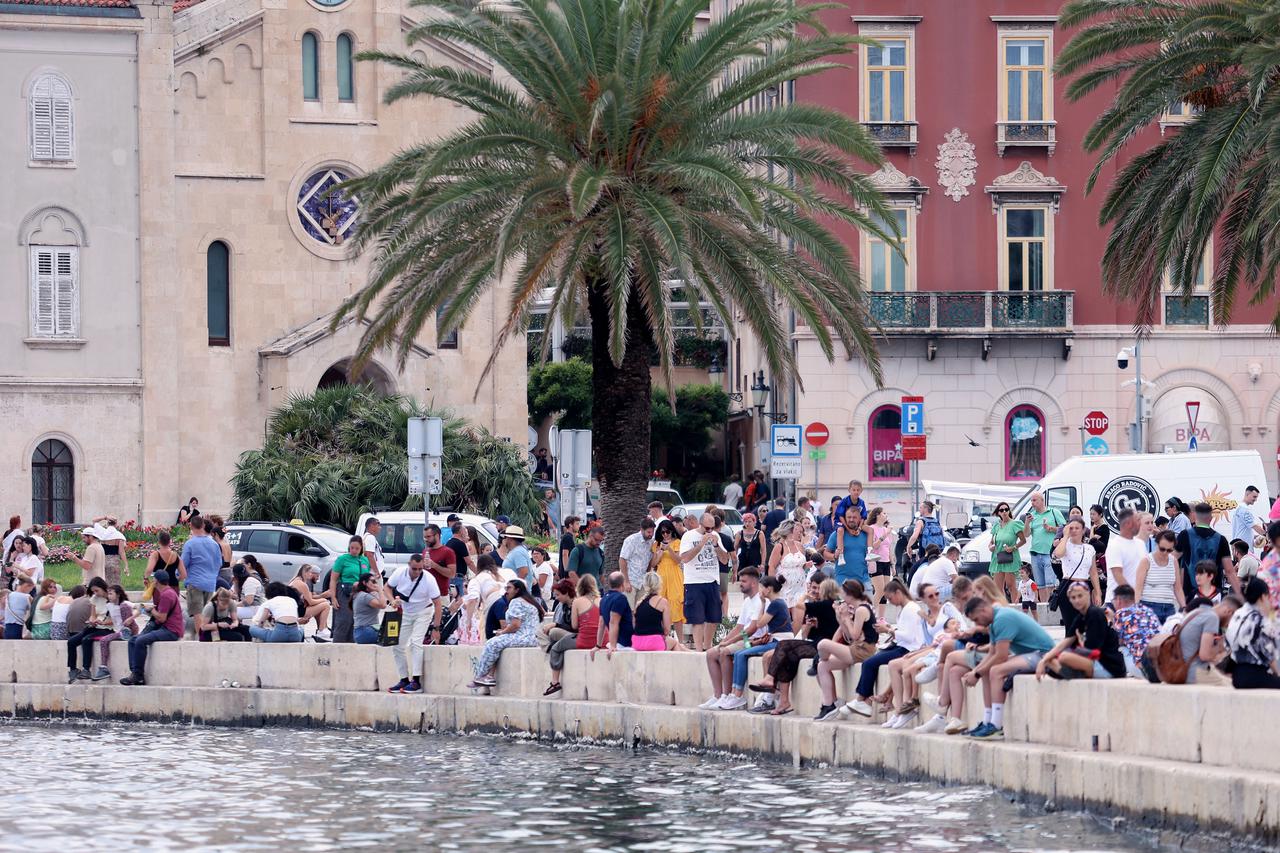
1204,548
1164,652
931,533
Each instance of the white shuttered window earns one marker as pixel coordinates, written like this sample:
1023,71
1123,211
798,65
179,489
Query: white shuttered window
52,121
55,291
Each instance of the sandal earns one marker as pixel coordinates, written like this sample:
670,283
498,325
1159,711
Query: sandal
778,712
552,688
763,688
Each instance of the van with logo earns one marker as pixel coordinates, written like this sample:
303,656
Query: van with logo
1138,481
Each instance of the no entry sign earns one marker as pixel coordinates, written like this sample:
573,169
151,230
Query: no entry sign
1096,422
816,433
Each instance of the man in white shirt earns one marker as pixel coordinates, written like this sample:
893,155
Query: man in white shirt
373,548
733,493
1244,522
700,552
634,558
940,572
414,589
720,656
1125,553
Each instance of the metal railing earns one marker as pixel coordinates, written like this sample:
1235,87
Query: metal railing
1039,134
958,312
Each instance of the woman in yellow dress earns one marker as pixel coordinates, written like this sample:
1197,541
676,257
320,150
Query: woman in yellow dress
666,549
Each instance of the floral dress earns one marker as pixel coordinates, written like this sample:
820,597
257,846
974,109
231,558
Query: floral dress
482,591
791,572
526,636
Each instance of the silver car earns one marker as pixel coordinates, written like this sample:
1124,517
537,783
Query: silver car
283,548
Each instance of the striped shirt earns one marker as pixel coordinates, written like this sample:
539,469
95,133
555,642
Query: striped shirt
1160,580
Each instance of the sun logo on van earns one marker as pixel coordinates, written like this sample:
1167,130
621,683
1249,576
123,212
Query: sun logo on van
1220,501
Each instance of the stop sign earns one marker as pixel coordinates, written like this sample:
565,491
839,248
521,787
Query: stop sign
816,433
1096,423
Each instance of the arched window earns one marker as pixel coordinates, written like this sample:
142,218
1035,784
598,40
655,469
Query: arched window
53,474
218,287
310,67
884,445
52,121
1024,444
346,86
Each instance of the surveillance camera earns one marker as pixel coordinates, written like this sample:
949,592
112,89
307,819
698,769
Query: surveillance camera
1122,359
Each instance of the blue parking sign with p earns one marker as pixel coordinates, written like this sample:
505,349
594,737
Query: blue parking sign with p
912,417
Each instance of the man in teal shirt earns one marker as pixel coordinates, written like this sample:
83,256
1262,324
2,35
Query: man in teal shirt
1042,524
587,558
847,547
1017,644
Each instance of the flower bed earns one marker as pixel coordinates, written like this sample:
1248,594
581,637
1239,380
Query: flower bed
140,542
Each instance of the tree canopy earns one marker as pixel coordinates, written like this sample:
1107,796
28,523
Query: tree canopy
334,454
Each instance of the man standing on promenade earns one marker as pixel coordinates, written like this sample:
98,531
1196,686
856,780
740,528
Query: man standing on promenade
635,556
701,550
414,588
202,558
587,558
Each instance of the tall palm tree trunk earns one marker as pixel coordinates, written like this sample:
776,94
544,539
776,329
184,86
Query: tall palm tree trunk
621,412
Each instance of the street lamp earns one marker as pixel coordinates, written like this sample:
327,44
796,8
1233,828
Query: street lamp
760,398
1136,438
717,370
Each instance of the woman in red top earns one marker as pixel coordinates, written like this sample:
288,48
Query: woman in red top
585,617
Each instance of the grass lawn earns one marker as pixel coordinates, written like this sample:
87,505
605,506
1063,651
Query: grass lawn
68,574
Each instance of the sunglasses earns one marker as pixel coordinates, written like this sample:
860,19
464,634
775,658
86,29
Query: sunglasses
1164,550
931,595
1001,509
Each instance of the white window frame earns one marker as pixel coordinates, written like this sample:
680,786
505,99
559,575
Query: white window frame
1002,243
869,241
61,320
51,136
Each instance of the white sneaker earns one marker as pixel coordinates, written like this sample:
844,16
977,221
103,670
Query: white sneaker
859,707
764,704
713,702
933,725
732,703
926,675
892,722
956,726
326,634
904,720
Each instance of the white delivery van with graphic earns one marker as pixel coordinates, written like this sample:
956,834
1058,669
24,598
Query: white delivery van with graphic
1143,482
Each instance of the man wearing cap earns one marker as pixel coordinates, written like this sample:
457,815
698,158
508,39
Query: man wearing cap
517,558
373,548
94,563
501,523
165,611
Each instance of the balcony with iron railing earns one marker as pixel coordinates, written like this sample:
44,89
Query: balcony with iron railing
893,134
1026,134
975,314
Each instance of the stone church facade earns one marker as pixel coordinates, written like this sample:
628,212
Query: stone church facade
171,255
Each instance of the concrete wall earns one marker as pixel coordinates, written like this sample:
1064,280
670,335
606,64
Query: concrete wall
1188,773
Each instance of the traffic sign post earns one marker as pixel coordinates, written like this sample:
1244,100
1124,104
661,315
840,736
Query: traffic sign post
785,453
1193,416
1096,447
914,447
816,435
1096,422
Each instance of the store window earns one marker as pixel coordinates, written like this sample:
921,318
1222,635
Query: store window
1024,444
884,445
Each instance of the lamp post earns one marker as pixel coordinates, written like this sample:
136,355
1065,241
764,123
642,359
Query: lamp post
1137,441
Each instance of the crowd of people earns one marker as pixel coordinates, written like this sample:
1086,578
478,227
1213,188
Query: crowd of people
1163,599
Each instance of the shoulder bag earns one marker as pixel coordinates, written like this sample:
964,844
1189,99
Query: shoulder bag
389,630
1165,653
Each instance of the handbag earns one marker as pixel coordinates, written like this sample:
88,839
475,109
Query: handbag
1003,557
389,630
1165,654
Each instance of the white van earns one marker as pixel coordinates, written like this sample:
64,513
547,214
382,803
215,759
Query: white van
401,533
1141,481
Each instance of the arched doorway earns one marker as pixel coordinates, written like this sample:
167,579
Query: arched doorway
53,481
372,376
1170,423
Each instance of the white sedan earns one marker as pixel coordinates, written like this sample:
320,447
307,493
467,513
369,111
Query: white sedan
732,518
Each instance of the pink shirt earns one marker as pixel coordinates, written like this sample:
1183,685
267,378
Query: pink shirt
882,547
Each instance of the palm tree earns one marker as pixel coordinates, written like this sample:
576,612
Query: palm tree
610,158
1218,172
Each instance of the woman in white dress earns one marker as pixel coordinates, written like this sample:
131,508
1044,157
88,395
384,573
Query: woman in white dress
484,588
787,561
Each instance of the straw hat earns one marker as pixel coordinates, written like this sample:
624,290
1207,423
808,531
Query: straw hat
513,531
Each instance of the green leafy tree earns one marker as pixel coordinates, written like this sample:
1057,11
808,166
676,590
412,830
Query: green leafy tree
609,155
699,409
563,389
1219,171
334,454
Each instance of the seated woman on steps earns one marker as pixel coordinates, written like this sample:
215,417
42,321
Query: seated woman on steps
584,616
653,620
280,612
520,631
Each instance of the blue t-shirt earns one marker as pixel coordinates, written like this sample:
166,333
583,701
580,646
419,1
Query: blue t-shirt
847,502
1023,633
854,561
779,617
519,559
615,602
203,558
493,621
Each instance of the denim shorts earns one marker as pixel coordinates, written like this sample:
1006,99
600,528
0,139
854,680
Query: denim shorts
1100,671
1042,571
